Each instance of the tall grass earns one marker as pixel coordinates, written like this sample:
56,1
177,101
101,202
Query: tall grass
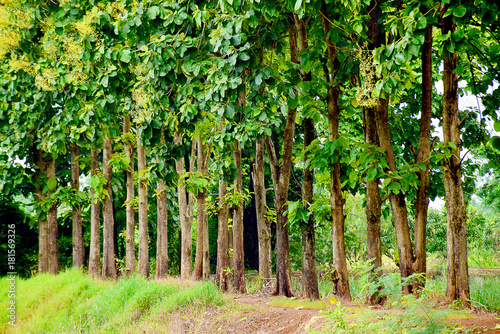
72,302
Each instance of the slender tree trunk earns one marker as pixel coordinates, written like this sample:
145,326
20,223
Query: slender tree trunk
398,202
336,199
310,288
238,250
424,148
222,278
185,219
263,224
143,260
130,209
78,246
52,224
202,264
108,252
43,238
161,235
95,221
457,278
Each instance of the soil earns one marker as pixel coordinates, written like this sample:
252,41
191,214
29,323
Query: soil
257,317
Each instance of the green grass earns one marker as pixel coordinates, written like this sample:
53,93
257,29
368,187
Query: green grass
485,292
72,302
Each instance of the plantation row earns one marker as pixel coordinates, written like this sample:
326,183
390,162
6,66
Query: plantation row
252,122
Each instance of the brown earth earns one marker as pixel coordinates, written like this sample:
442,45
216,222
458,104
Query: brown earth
254,315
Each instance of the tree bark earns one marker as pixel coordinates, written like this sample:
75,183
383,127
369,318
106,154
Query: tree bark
238,246
424,148
184,217
457,278
310,288
108,256
336,199
143,259
398,202
202,264
77,231
263,224
52,223
130,209
43,238
95,221
161,235
222,278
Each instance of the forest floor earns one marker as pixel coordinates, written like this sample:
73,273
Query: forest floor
257,315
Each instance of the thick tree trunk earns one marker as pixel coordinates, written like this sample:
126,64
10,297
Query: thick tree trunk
457,278
108,252
424,148
52,224
336,199
143,259
202,264
130,209
238,250
43,238
161,234
78,246
185,219
398,202
309,273
95,221
263,224
222,278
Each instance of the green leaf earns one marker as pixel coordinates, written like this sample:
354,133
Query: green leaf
495,142
298,3
125,56
244,56
388,50
153,12
422,23
52,183
496,126
459,11
421,166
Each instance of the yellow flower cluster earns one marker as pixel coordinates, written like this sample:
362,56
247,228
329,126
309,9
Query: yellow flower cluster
23,19
367,72
73,51
116,8
79,77
49,47
44,81
85,27
21,65
9,39
140,97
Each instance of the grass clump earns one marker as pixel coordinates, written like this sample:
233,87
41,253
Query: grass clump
72,302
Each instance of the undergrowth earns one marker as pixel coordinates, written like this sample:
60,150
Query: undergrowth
72,302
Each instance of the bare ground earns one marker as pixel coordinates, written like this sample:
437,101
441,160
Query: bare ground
254,315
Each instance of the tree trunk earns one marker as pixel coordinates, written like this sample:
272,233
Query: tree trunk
43,238
309,273
130,209
52,224
185,219
398,202
143,260
202,264
263,224
95,221
457,278
336,199
78,246
161,234
108,252
222,278
424,148
238,250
